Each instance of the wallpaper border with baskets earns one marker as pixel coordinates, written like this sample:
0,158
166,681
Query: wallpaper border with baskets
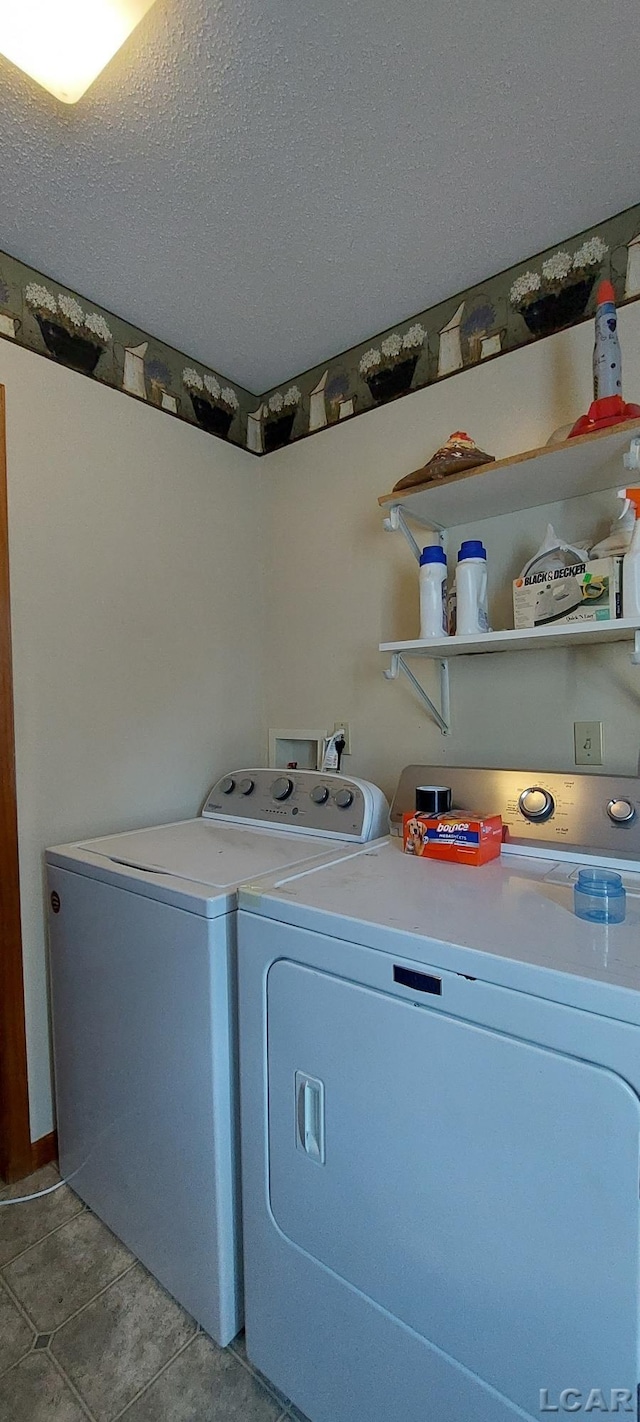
548,293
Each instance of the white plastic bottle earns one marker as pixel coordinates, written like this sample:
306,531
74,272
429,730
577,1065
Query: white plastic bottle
471,589
433,592
631,560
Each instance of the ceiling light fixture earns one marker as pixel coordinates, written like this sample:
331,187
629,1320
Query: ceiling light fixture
65,44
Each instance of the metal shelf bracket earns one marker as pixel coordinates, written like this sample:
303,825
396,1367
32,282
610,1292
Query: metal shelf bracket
441,717
396,522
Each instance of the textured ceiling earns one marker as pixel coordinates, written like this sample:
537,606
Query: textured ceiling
262,185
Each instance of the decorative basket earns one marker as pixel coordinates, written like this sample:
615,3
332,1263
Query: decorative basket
393,381
79,352
556,309
215,419
278,432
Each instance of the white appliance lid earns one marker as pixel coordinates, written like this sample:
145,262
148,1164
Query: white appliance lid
218,855
509,922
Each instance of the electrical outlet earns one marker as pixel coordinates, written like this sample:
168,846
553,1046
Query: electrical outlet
347,735
588,742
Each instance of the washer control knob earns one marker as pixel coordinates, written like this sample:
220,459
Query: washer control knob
282,787
621,812
227,785
344,798
319,794
247,785
536,804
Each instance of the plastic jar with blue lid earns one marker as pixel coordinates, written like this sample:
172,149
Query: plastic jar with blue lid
433,592
599,896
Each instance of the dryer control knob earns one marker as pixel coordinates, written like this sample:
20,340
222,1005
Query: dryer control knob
227,785
319,794
247,785
282,787
536,804
621,812
344,799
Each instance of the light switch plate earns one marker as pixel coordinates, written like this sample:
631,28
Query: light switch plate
588,742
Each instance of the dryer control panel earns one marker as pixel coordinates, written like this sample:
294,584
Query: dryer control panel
547,808
337,806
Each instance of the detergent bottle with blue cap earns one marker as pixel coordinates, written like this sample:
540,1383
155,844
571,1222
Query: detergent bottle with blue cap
433,592
631,560
471,589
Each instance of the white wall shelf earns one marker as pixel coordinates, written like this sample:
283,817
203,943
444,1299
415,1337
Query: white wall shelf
555,472
534,639
526,639
585,465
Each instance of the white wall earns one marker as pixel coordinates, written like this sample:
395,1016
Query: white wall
146,660
339,585
135,547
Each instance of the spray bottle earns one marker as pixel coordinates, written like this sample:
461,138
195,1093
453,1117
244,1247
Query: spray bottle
618,540
631,560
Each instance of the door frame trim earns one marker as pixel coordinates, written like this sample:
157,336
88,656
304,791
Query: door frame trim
16,1152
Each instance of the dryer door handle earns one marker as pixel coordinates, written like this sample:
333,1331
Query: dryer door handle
310,1116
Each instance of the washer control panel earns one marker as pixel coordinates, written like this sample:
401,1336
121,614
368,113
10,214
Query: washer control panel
293,799
591,812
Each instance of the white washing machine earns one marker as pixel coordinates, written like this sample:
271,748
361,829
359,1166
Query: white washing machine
143,980
440,1090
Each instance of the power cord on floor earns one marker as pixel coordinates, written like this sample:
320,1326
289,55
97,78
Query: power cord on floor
23,1199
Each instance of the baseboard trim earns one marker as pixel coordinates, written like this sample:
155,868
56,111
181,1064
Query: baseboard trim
44,1150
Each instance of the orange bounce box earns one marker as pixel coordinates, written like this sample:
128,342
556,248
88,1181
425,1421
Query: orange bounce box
456,837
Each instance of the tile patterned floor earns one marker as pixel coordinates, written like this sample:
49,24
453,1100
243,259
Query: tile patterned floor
87,1335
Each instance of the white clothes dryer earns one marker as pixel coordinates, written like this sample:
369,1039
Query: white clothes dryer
440,1086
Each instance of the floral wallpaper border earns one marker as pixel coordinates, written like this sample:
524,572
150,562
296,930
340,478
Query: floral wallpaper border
45,317
534,299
